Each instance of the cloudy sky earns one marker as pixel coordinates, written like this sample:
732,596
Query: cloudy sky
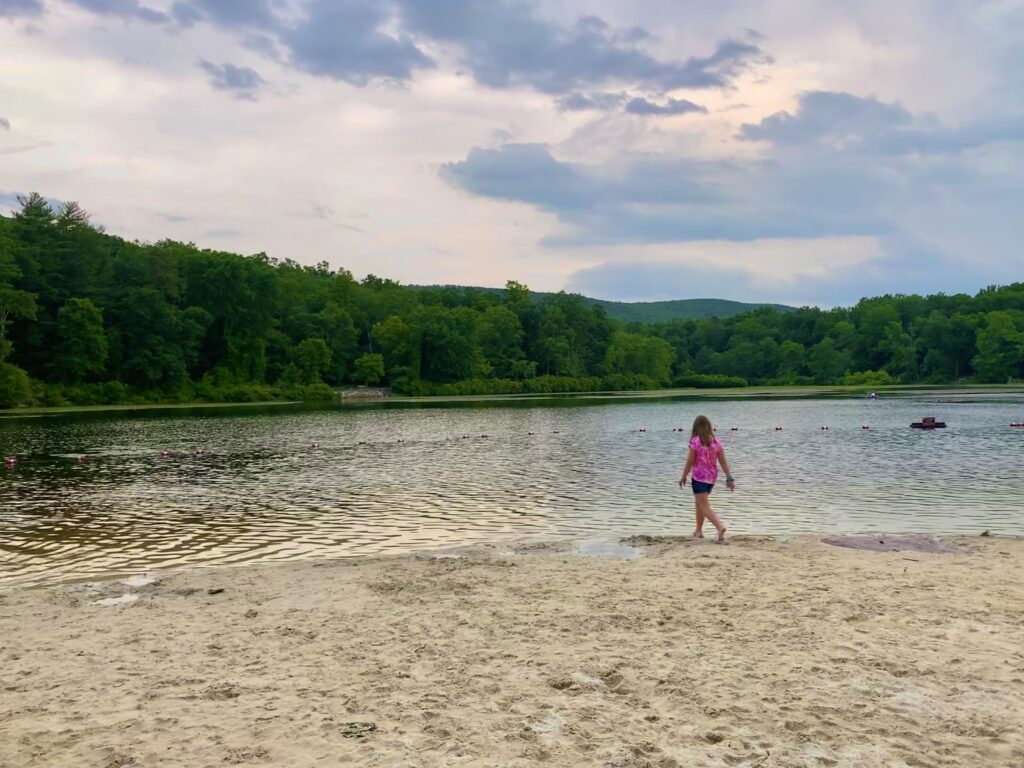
805,152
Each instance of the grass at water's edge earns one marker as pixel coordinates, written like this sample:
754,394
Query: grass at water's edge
900,390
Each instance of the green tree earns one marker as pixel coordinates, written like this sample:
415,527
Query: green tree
312,358
500,336
146,348
1000,348
400,343
642,355
791,360
83,343
14,303
15,387
369,368
574,336
827,363
448,349
339,333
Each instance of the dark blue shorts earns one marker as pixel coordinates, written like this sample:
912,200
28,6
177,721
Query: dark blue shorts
699,487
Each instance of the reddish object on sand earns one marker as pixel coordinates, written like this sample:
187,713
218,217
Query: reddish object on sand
884,543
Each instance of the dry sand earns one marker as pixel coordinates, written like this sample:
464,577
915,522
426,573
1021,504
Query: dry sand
763,653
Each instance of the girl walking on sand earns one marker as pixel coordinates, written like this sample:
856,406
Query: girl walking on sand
705,454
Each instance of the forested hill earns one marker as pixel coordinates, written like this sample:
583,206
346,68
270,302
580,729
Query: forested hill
679,309
647,311
87,318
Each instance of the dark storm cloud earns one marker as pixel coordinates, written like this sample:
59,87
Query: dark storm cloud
607,102
506,44
14,8
641,106
501,43
579,102
528,173
342,39
127,9
242,82
842,122
226,13
845,166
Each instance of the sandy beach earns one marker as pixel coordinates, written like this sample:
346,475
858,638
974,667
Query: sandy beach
769,653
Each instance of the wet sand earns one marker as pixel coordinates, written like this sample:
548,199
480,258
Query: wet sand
767,653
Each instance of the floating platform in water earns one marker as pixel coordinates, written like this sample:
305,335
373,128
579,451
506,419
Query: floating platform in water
928,422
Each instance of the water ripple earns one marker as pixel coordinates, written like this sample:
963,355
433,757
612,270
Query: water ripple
242,487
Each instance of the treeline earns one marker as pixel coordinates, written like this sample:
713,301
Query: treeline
87,318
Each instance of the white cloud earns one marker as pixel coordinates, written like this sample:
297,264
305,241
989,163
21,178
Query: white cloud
110,109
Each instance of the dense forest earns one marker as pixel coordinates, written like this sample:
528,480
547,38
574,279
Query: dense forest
89,318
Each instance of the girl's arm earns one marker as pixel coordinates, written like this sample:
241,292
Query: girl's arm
729,482
690,458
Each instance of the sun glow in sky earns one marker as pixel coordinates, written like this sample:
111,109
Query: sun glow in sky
793,151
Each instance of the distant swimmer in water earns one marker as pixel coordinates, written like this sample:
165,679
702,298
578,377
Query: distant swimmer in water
705,454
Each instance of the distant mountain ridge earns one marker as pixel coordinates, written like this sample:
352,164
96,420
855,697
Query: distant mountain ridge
647,311
679,309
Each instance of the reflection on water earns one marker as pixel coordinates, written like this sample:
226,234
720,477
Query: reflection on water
242,486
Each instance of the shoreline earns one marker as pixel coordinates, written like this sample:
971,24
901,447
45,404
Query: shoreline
825,392
622,546
16,413
737,393
769,653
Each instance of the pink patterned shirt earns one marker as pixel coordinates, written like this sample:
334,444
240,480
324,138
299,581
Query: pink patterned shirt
705,467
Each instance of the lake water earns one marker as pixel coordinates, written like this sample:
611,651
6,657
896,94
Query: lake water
401,479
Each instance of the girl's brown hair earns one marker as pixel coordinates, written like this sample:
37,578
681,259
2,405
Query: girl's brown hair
702,429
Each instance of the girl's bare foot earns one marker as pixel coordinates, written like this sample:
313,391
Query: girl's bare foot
698,535
721,536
